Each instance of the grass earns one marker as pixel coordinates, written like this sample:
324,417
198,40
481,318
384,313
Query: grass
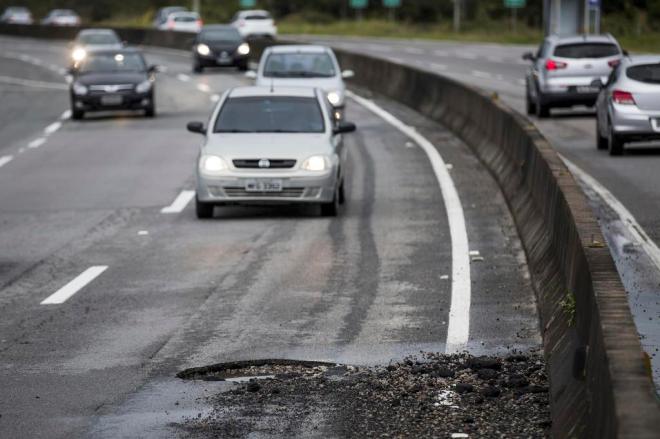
491,32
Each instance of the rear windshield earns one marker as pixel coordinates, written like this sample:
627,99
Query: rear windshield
111,62
586,50
649,73
229,34
185,18
270,115
257,17
299,65
63,13
100,38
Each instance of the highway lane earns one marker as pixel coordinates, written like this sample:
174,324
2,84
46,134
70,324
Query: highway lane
368,287
622,190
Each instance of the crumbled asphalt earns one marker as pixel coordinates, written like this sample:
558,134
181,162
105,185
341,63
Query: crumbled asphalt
430,395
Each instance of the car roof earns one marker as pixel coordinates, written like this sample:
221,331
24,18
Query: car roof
568,39
299,48
256,91
125,50
254,12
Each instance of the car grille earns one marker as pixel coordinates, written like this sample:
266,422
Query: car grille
118,88
273,164
239,192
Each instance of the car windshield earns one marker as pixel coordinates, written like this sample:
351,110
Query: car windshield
229,34
264,114
299,65
587,50
112,62
99,39
648,73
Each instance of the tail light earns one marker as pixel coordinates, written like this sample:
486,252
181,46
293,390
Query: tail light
614,63
551,64
170,24
200,23
623,97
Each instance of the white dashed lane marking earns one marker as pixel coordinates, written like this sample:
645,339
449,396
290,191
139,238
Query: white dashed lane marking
5,159
179,203
77,284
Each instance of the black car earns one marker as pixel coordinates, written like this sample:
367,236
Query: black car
113,80
220,45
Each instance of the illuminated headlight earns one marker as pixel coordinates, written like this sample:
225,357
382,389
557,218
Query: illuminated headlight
78,54
143,87
203,49
244,49
212,164
79,89
334,97
316,163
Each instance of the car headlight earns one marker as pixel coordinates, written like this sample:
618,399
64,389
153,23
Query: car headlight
334,97
78,54
316,163
244,49
212,164
143,87
203,49
79,89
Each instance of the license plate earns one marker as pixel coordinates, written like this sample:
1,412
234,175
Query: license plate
224,60
263,186
586,89
111,100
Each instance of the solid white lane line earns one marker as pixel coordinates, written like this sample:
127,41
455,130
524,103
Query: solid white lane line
36,143
5,159
204,88
179,203
77,284
182,77
50,129
627,218
458,330
32,83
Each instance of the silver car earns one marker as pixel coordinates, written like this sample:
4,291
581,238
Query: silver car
266,145
90,40
304,66
564,68
628,106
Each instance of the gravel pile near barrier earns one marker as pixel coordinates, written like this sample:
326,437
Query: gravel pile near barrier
426,396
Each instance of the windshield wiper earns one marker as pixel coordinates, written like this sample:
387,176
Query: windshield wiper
236,131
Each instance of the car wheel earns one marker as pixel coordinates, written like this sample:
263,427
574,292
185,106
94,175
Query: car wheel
203,210
77,114
615,143
243,67
342,194
197,68
331,208
531,106
601,142
150,111
542,110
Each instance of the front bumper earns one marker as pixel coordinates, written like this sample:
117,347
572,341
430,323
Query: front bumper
633,123
99,102
216,60
295,189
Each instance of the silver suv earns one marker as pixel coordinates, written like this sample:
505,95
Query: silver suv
564,68
628,106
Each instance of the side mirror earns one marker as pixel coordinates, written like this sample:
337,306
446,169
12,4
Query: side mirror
251,74
528,56
344,127
196,127
597,83
347,74
626,53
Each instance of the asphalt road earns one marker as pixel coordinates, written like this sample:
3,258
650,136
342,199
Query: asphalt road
173,292
624,191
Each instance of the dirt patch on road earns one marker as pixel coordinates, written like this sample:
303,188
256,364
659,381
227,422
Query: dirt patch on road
429,395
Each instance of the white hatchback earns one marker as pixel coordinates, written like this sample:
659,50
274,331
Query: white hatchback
255,23
304,66
182,22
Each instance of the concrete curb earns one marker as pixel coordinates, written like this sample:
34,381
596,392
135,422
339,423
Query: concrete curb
599,385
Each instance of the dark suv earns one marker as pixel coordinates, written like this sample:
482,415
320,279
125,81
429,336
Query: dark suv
220,45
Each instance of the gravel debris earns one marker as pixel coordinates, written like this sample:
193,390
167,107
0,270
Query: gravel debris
426,396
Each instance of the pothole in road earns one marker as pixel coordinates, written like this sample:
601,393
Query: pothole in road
245,371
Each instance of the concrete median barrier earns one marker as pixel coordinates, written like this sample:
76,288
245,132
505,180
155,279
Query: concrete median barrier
599,385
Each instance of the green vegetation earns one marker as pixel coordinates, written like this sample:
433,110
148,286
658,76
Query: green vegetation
569,307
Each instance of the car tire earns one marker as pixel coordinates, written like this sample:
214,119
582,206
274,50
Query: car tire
601,142
615,143
332,208
542,110
77,114
197,68
243,67
342,194
531,106
150,111
203,210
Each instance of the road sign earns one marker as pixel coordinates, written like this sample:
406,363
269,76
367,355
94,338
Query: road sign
392,3
514,4
248,3
359,4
